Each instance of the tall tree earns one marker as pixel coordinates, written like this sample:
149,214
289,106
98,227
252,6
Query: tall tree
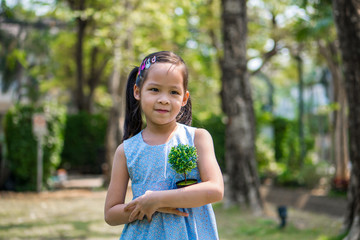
89,69
347,20
300,62
242,186
114,131
81,23
122,47
20,54
318,30
330,51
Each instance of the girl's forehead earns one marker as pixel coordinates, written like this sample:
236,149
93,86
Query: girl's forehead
161,71
165,68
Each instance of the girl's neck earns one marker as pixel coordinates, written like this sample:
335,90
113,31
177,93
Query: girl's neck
157,135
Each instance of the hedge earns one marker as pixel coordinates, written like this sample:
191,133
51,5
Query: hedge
21,144
216,127
84,144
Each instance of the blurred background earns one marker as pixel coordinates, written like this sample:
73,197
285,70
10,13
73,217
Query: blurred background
69,60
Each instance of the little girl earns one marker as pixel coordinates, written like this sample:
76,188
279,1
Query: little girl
158,89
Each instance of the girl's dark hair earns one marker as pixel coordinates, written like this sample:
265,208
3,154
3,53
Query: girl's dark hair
133,119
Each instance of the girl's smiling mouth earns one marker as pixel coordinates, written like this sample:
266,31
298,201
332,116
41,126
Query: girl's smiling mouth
162,110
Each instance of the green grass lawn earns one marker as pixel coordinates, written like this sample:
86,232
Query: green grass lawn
79,215
70,215
236,224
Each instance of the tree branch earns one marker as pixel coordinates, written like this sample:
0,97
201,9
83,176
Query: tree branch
266,58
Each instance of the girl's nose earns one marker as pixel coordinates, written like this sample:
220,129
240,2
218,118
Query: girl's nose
163,100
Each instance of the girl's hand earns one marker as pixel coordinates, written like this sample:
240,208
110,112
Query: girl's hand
147,206
164,210
144,205
173,211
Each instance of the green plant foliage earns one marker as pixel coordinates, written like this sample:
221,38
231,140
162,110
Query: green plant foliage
308,175
287,153
84,144
216,127
267,166
182,158
287,150
21,144
281,127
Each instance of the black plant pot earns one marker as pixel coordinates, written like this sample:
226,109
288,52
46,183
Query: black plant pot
181,184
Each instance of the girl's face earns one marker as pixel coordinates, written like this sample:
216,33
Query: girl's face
162,94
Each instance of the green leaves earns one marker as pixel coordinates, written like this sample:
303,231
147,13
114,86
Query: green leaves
21,144
182,158
84,155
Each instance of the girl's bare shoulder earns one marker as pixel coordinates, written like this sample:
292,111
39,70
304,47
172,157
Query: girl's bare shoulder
203,141
120,153
201,135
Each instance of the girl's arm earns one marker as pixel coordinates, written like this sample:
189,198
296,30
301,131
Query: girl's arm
115,212
211,188
115,199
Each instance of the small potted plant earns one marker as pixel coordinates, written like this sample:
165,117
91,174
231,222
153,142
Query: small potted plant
182,159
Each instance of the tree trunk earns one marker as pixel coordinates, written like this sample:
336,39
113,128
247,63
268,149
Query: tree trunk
340,119
117,85
113,132
347,20
351,206
84,102
341,145
299,61
81,25
92,80
96,71
242,185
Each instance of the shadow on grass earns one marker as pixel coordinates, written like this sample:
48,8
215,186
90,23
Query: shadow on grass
239,224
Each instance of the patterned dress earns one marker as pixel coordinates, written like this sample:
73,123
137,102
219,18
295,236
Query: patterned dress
149,170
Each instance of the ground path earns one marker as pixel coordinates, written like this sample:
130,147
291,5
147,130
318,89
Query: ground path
303,199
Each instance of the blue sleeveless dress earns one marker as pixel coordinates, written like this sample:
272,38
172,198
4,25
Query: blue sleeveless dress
149,170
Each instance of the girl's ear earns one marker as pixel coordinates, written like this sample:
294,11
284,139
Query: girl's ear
185,98
136,92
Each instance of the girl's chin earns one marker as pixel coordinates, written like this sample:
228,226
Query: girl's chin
163,122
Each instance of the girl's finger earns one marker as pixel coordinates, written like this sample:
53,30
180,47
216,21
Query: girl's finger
173,211
134,214
141,216
130,206
180,213
149,217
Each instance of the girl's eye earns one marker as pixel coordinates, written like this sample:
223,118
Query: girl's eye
175,92
154,89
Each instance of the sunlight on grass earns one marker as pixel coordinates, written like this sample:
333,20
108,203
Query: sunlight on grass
81,217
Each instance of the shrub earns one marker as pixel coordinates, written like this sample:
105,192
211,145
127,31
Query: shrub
216,128
84,144
267,166
284,136
21,144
